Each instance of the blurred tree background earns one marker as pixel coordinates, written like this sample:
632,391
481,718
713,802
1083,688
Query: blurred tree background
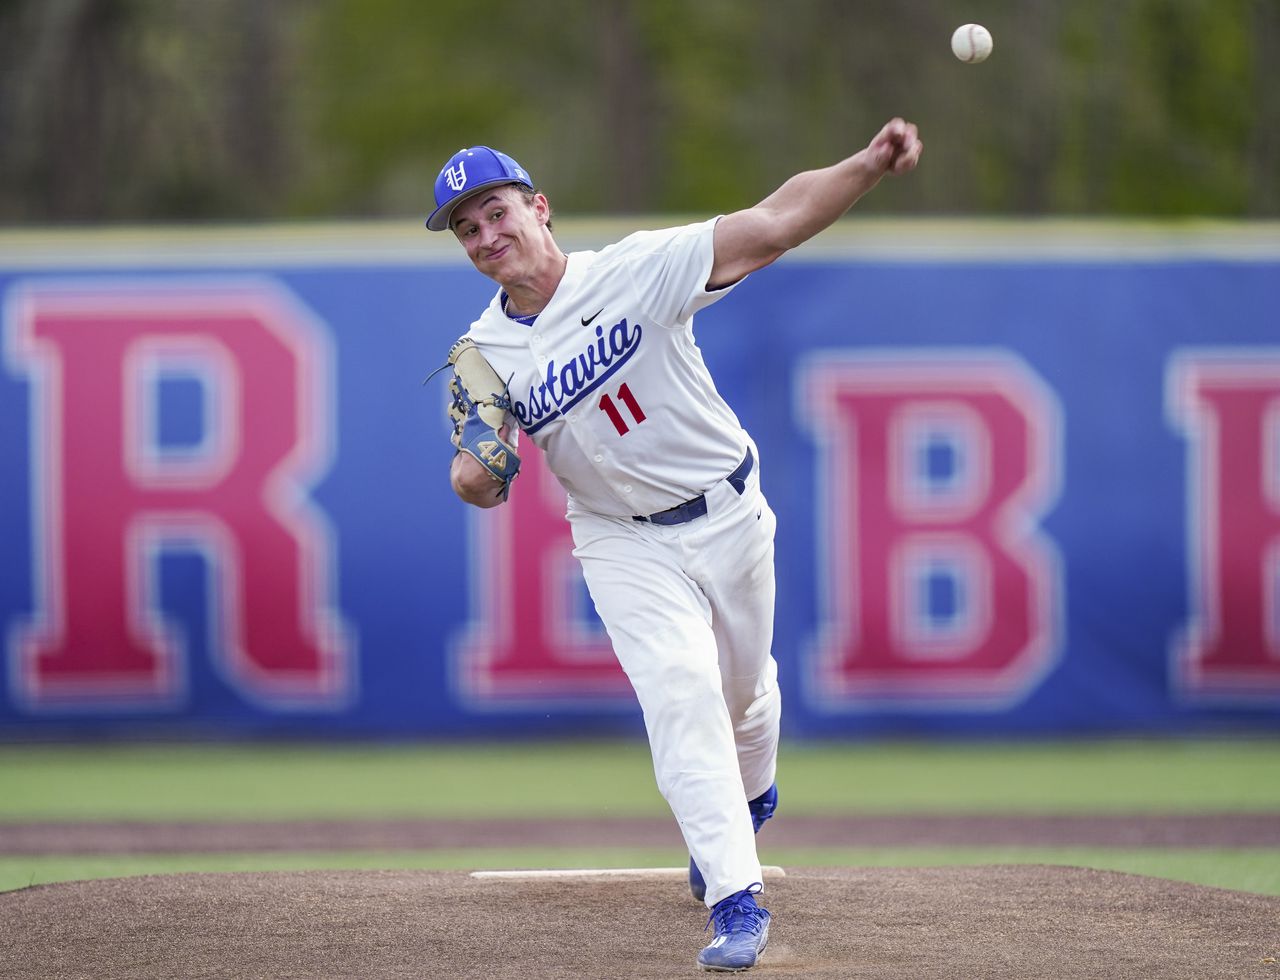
249,110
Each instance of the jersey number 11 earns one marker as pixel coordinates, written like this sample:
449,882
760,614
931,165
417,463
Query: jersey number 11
615,416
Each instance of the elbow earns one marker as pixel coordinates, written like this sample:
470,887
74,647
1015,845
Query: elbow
781,230
789,234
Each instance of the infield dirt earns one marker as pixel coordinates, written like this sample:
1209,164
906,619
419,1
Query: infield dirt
1012,922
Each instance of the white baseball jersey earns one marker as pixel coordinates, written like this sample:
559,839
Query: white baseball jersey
608,381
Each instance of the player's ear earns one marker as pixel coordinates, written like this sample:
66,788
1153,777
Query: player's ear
542,208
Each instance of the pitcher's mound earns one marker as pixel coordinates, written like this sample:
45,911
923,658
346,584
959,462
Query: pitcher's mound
1002,921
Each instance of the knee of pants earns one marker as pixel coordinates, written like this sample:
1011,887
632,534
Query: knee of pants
668,678
690,710
686,714
750,697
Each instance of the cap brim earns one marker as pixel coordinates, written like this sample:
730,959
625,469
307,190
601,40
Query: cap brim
439,220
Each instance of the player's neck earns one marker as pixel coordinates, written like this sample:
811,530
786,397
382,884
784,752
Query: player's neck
531,293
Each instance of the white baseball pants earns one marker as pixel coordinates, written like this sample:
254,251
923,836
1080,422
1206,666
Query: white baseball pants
689,610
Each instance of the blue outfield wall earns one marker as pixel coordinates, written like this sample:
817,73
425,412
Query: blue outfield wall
1023,489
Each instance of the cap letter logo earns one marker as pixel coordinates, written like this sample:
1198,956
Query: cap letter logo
457,176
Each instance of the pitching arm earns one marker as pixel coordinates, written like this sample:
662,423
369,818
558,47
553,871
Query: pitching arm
807,203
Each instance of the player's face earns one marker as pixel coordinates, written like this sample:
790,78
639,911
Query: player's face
499,229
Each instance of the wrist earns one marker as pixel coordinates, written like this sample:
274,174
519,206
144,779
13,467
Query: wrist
871,164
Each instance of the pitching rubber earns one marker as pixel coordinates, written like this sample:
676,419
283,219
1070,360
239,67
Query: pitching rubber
769,871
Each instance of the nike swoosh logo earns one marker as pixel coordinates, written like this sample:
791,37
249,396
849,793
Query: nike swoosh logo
586,320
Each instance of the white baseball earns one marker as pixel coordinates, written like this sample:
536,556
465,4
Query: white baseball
971,43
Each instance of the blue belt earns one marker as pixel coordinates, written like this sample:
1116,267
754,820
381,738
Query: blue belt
697,507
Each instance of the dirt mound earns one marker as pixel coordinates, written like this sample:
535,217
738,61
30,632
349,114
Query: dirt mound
989,922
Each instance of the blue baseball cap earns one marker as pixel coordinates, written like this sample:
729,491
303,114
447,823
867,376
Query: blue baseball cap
468,171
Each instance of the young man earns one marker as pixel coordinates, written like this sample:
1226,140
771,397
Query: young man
673,534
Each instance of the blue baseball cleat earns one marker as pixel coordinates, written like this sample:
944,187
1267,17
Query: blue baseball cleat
696,884
742,933
761,808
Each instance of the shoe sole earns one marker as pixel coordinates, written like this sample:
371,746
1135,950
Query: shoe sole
739,969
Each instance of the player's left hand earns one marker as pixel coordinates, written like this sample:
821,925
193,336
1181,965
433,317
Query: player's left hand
477,411
473,435
896,148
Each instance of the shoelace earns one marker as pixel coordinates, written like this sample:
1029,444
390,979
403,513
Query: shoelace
734,915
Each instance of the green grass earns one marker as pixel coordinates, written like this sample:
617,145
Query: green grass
212,782
165,782
1242,869
1254,870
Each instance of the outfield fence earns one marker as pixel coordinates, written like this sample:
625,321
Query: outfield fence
1027,479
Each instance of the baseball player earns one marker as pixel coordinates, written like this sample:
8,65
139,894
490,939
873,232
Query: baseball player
592,356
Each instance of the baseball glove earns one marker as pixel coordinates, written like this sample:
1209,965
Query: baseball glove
478,411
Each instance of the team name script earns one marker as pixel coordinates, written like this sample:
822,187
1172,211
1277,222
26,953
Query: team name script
565,386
